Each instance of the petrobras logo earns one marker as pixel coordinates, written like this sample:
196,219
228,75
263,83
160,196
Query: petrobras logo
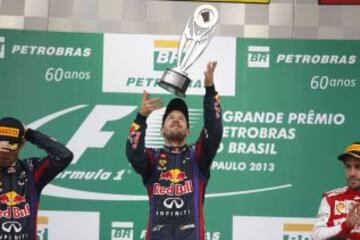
122,231
297,231
258,56
58,51
165,54
316,59
2,47
45,47
60,225
42,228
142,67
274,228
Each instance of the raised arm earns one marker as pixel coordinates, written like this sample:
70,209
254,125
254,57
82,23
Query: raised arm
135,145
58,158
211,134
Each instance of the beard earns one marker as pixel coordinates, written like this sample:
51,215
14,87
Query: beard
6,162
175,135
353,183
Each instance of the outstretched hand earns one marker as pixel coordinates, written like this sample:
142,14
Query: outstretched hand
149,104
353,217
209,74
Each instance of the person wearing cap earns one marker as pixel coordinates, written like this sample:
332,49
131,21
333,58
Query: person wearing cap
339,212
176,175
21,181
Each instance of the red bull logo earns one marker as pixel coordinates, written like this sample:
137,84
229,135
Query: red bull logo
173,189
15,212
173,175
11,198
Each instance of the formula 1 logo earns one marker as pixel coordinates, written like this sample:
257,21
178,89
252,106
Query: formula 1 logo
2,47
89,134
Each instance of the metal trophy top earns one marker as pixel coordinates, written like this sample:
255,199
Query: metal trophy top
197,35
198,32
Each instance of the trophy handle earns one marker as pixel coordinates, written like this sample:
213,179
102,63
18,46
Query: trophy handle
196,48
183,40
184,63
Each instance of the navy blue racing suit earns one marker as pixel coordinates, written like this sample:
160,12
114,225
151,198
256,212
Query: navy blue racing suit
21,185
176,178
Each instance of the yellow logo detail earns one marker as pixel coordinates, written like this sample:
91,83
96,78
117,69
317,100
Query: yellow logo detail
162,162
9,132
11,198
135,127
340,208
166,44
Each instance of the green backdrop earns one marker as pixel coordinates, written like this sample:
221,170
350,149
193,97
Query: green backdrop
293,111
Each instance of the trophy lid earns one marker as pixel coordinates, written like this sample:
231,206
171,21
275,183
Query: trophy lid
206,16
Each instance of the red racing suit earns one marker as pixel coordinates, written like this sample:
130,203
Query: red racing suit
331,219
176,178
22,183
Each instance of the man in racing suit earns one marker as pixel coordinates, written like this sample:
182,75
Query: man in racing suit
21,181
339,213
177,174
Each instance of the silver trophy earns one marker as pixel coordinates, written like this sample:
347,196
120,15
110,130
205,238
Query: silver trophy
196,37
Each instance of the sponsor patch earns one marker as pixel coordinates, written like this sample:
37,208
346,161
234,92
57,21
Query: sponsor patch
9,132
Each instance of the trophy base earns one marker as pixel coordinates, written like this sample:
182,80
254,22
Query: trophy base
175,82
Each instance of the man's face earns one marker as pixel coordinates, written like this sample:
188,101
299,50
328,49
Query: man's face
175,127
8,154
352,172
